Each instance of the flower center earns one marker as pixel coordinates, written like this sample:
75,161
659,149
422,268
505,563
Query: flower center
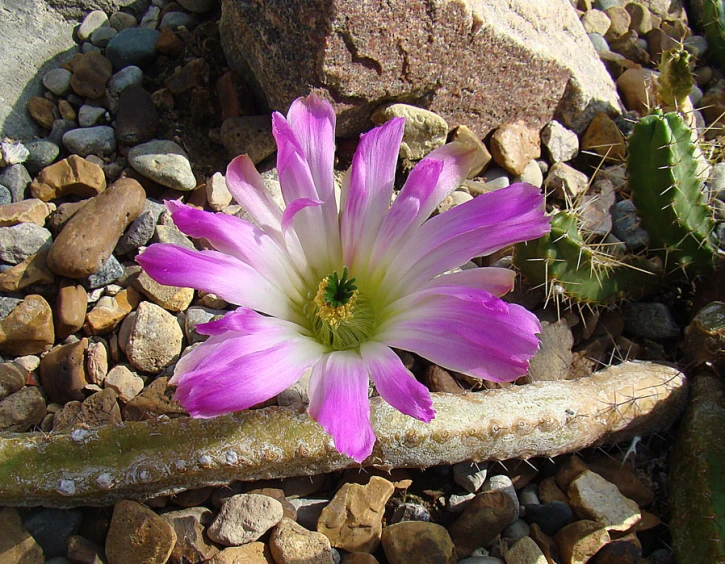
340,315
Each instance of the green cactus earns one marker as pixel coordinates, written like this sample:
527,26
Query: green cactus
674,83
713,22
568,267
663,168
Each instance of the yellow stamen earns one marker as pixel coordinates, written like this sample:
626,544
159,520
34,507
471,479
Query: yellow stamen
333,315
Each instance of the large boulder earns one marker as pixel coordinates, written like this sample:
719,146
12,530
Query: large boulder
474,62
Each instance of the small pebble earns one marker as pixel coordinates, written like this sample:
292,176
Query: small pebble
84,141
58,81
51,528
110,271
164,162
410,512
132,46
16,179
550,517
90,115
93,21
18,242
470,475
651,320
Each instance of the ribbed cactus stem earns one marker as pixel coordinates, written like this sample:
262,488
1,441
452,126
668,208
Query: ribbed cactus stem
568,267
714,25
143,459
667,191
674,83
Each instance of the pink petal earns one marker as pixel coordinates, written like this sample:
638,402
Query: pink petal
367,198
243,371
248,189
217,273
234,236
294,208
395,383
468,332
339,402
494,280
478,227
246,321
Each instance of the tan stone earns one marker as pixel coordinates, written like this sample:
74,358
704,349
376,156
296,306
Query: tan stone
424,130
89,237
137,534
171,298
604,138
513,145
16,544
359,558
33,270
156,399
98,409
596,21
640,18
570,469
418,541
464,135
620,20
545,543
525,551
12,378
580,540
627,483
126,383
74,175
638,91
26,211
154,338
110,311
66,110
41,110
251,553
70,309
353,520
291,542
29,327
22,410
592,497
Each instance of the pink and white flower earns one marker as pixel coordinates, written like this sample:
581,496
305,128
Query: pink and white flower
330,287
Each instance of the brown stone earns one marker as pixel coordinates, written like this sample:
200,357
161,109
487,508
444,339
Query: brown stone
572,467
353,520
233,96
97,409
91,72
438,380
171,298
514,145
359,558
251,553
41,110
22,410
291,542
658,42
155,400
620,20
74,175
137,534
12,378
137,120
89,237
63,372
191,542
28,329
604,138
549,491
485,516
418,541
638,91
187,77
579,541
63,213
346,49
624,550
248,135
16,544
464,135
83,551
25,211
70,309
525,551
110,311
66,110
169,43
33,270
545,543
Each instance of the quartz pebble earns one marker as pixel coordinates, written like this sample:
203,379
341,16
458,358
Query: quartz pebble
154,338
244,518
513,145
291,542
593,497
164,162
126,383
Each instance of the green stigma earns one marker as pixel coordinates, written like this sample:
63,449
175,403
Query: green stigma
338,291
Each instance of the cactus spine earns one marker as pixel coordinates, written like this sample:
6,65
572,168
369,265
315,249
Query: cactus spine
667,191
567,266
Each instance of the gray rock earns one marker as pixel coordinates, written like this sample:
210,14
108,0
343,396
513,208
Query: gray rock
171,234
175,20
651,321
5,195
150,19
60,128
16,179
308,511
90,115
250,135
516,530
35,39
111,271
98,140
561,143
93,21
52,527
122,20
626,227
604,5
244,518
22,410
600,44
696,44
123,79
529,494
58,81
552,360
470,475
410,512
196,315
164,162
7,305
102,36
132,46
20,241
42,153
87,47
137,234
198,6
